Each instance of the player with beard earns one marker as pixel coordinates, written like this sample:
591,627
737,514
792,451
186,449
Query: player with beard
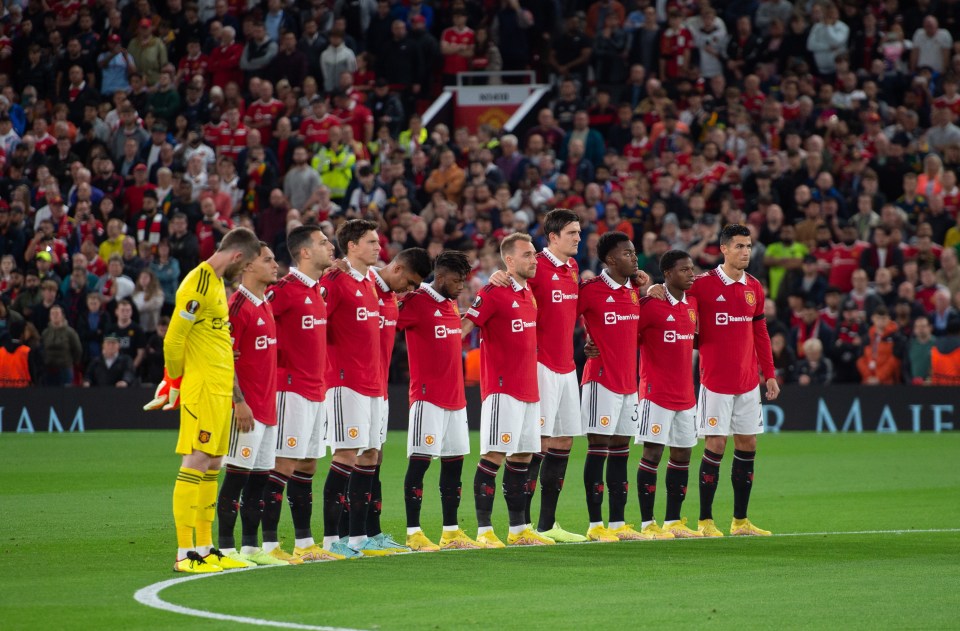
199,379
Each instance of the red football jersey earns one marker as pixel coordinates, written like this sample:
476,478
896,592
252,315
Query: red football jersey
434,348
317,131
353,332
301,315
666,329
254,334
194,66
507,317
389,312
230,142
790,111
734,343
358,117
555,287
452,64
611,313
844,261
265,113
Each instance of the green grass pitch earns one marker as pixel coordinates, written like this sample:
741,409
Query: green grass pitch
86,523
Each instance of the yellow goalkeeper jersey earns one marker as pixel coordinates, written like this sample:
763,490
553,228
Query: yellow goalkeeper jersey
197,344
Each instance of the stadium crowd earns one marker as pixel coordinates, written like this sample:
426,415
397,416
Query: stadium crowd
135,134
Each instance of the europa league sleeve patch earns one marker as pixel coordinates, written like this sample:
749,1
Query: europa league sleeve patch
193,306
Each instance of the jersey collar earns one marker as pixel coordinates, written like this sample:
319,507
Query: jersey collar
729,281
515,285
381,284
249,296
674,302
357,276
303,278
553,259
433,292
612,284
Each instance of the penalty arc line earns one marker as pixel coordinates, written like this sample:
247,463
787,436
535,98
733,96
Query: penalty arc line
150,595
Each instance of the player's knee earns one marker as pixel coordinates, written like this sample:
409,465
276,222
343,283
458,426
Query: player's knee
308,466
495,457
520,458
598,439
745,442
680,455
652,452
558,442
716,444
286,466
346,457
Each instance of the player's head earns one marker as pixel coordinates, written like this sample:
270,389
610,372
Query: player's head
310,248
450,273
519,255
736,246
359,242
562,228
677,269
407,270
261,270
239,246
617,252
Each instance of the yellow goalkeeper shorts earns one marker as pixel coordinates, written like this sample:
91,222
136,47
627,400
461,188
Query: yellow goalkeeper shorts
205,425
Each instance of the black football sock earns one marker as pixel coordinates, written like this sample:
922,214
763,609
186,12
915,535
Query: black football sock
335,497
413,488
677,474
484,490
358,490
251,508
533,472
272,503
617,485
646,488
376,505
709,476
451,471
593,481
741,475
551,483
515,491
300,498
228,505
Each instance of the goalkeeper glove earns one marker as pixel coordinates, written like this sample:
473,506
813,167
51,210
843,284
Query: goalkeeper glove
167,395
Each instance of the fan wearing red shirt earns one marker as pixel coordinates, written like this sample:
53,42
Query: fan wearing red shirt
232,137
253,430
438,410
315,129
676,46
734,347
264,112
353,378
609,305
301,315
668,407
509,416
193,63
456,45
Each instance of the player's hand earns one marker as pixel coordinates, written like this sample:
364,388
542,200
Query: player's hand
590,349
244,416
340,264
167,396
500,279
641,278
657,291
773,389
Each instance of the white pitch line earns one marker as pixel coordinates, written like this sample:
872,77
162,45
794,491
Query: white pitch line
150,595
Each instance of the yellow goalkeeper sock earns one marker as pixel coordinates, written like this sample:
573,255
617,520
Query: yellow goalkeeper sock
185,494
206,508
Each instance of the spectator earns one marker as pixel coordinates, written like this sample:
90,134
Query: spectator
130,333
942,312
20,365
880,363
148,52
337,58
916,364
813,368
448,178
932,47
148,299
114,285
881,254
61,349
827,39
258,52
111,368
784,359
783,256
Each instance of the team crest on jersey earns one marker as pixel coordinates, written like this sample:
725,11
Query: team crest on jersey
429,439
634,298
712,421
573,275
353,432
292,442
655,430
204,436
245,453
604,421
193,306
693,315
750,297
534,301
505,438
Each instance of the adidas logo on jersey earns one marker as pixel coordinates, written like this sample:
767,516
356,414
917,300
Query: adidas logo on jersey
437,313
555,277
260,322
515,305
610,299
670,318
358,293
721,299
381,302
307,301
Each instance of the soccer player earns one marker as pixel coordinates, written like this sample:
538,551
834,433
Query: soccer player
438,413
609,304
509,416
667,403
253,432
199,379
404,273
355,393
734,348
302,423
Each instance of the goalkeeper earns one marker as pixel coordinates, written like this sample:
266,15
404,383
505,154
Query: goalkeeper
199,379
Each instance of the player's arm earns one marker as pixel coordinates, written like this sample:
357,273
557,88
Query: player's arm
407,317
190,303
761,342
241,411
479,312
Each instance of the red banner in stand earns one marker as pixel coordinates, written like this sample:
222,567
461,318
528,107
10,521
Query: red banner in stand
488,104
